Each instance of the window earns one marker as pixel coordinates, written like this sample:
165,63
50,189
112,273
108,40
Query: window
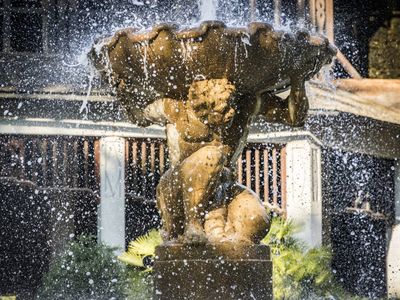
23,26
25,3
26,32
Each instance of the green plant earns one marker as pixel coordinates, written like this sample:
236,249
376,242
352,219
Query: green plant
141,284
139,259
86,270
298,272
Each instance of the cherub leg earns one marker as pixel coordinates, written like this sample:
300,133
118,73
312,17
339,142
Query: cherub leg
200,173
247,219
215,224
170,205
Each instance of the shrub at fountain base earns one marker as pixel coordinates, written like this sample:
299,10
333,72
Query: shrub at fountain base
86,270
298,272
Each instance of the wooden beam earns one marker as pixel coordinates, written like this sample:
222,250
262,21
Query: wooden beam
347,65
240,169
161,158
253,7
75,165
301,11
134,154
22,158
329,19
34,160
55,163
126,152
86,163
143,158
96,153
274,177
134,166
152,158
313,17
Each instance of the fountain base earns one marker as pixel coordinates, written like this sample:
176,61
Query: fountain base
221,271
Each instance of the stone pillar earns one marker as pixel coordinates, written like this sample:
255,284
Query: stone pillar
304,199
393,254
111,212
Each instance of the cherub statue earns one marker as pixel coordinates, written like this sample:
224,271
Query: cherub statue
205,85
198,197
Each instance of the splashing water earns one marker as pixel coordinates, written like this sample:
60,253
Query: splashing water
145,46
208,10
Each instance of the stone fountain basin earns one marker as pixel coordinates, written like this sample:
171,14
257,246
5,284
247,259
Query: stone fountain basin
163,62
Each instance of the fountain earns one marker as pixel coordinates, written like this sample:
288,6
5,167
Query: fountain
205,85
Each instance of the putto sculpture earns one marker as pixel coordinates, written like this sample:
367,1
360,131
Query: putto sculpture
205,85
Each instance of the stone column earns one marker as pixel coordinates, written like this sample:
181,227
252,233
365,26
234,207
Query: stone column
304,199
393,254
111,212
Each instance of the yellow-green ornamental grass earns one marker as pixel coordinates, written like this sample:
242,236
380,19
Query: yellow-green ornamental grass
143,246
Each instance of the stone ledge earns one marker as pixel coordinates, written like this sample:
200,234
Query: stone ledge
212,251
201,272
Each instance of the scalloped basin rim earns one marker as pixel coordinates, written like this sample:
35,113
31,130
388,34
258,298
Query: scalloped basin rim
266,62
137,36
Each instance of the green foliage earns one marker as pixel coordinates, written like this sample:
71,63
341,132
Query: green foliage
300,273
141,284
86,270
139,271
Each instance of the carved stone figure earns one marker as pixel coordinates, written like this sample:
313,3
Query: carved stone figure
205,85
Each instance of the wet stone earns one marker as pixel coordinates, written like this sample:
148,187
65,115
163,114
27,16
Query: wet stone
201,272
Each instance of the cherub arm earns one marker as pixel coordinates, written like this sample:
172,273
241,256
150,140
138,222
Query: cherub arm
164,111
174,112
290,111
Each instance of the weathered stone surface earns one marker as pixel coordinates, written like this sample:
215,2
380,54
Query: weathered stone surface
164,62
201,272
227,250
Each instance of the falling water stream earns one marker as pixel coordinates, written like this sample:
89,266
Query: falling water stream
208,9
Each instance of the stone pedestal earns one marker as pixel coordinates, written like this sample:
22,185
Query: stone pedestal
202,272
